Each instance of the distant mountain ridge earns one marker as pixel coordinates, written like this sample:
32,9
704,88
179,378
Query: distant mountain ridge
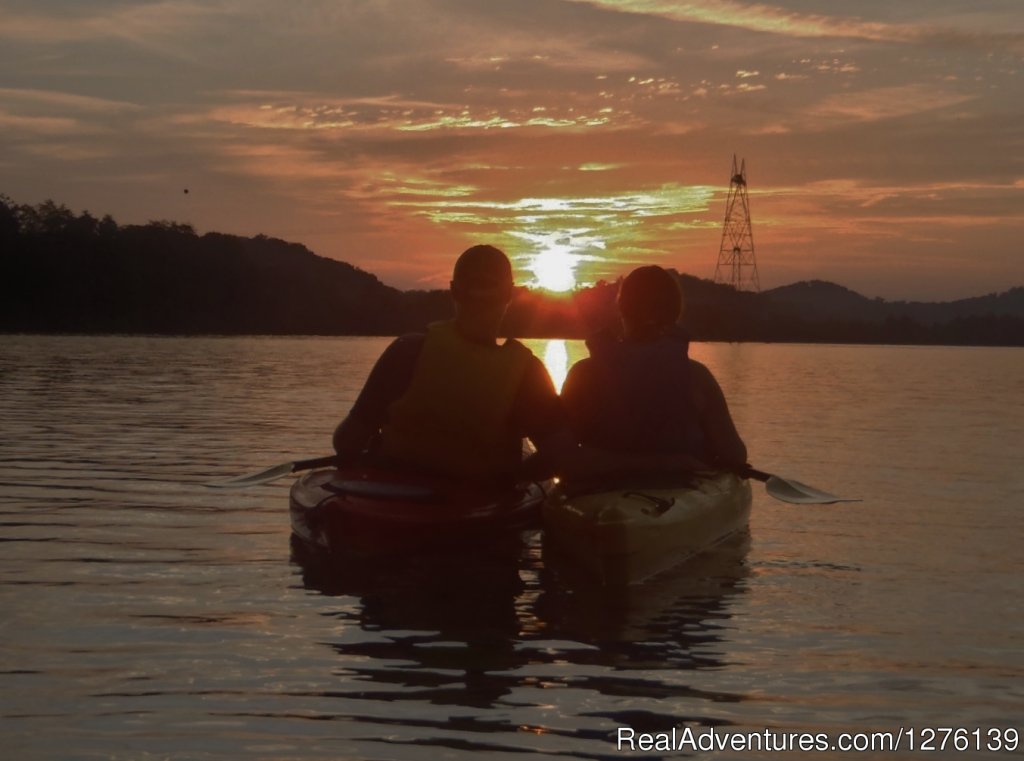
67,273
819,299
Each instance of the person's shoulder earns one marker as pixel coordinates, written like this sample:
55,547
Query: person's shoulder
402,351
582,366
580,379
515,345
410,339
699,369
408,343
701,378
704,387
534,366
535,380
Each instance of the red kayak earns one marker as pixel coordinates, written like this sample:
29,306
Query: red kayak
370,511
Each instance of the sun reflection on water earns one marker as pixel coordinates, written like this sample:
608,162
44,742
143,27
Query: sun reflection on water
556,360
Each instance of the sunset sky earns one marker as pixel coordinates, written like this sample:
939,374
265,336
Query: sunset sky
884,141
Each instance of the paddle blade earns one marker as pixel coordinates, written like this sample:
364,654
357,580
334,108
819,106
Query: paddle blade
254,479
788,490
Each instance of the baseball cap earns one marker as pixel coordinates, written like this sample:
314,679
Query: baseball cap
482,267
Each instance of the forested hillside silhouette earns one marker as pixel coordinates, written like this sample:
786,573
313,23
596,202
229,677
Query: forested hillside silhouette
75,273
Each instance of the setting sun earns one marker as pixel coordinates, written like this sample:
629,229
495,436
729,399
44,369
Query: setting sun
562,257
555,269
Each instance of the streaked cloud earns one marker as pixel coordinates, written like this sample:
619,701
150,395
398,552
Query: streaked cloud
151,24
39,125
775,19
309,111
64,101
885,103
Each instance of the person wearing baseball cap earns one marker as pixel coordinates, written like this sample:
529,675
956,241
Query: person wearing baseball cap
453,401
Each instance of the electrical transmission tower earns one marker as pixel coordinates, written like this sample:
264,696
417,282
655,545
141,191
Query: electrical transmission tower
736,263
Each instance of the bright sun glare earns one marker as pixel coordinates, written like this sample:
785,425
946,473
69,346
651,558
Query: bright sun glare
555,269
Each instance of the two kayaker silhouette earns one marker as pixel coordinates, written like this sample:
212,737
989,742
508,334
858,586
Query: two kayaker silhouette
455,402
639,423
650,468
432,451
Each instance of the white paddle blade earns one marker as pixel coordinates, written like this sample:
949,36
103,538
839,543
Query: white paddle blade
788,490
254,479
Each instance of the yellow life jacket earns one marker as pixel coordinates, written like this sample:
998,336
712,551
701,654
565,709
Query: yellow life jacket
454,417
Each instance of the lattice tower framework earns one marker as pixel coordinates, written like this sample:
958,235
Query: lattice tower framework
737,265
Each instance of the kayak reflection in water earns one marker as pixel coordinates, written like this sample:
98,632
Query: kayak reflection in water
641,393
454,402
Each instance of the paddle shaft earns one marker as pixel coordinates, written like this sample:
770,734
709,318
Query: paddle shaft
786,490
314,462
757,475
274,473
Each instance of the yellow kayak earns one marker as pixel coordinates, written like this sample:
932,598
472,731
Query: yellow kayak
628,534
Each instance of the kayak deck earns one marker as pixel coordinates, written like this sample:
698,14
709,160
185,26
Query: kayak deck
626,535
370,512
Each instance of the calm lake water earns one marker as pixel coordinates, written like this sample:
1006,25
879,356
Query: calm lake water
147,617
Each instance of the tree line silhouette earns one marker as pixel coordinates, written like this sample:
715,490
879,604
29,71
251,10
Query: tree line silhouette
75,273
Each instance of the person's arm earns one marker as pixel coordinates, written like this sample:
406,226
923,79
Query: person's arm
388,380
725,447
353,436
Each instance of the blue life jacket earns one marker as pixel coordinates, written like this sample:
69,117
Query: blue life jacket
641,396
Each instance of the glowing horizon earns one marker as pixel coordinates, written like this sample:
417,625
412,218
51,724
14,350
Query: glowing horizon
583,137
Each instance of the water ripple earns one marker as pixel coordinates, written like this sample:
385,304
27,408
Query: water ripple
149,617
